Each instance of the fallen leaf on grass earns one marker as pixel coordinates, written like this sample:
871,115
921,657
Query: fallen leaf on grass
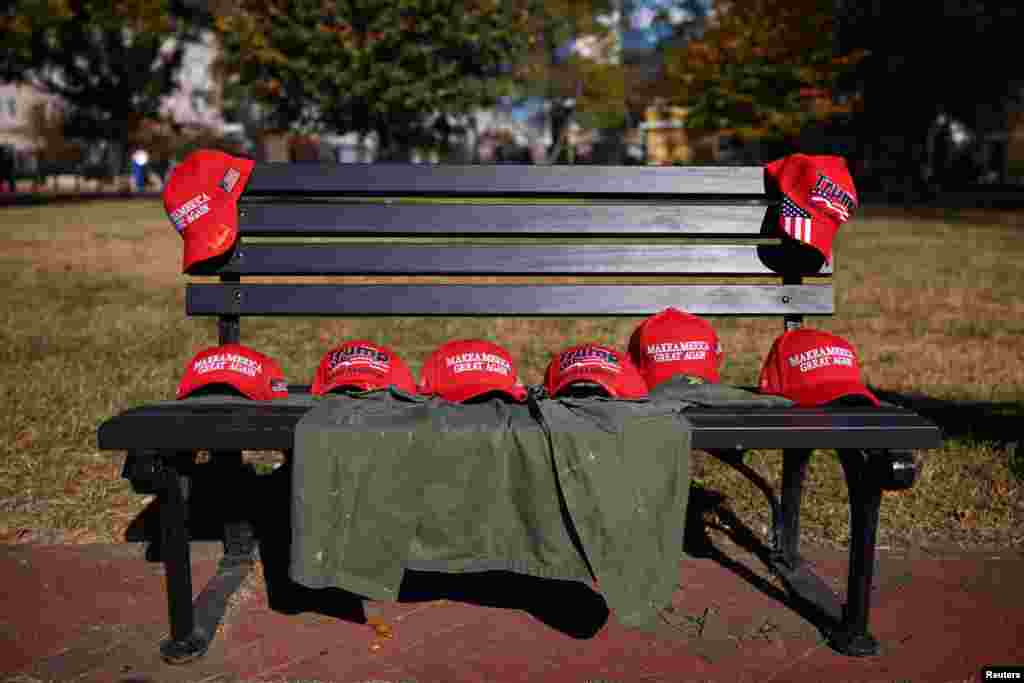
24,438
965,518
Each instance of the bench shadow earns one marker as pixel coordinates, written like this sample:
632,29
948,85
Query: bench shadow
706,503
571,607
996,422
568,606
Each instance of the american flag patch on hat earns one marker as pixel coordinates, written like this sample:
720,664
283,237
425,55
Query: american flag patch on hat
795,221
227,183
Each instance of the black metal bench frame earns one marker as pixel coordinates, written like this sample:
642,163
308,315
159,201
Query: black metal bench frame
706,231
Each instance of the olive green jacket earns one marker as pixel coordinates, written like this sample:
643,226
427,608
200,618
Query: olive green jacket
583,489
388,481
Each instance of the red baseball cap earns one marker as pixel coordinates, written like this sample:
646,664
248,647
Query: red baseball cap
363,365
254,374
817,197
811,368
466,368
672,343
200,199
598,364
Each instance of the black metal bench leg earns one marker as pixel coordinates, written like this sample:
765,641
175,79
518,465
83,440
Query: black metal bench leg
186,642
852,637
239,536
787,538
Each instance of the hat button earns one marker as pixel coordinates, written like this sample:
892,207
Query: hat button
786,299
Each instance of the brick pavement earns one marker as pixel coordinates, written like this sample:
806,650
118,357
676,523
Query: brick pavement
97,613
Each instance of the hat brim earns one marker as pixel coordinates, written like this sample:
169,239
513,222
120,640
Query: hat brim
361,382
570,381
467,392
357,386
658,375
588,375
190,384
820,394
361,385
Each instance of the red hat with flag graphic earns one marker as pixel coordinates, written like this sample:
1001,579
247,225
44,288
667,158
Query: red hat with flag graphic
201,200
252,373
817,197
362,365
463,369
672,343
596,364
812,368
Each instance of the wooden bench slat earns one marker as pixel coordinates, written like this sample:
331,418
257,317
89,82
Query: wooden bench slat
321,218
342,259
505,180
265,426
523,300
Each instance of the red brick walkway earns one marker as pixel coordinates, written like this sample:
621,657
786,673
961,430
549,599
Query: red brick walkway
97,613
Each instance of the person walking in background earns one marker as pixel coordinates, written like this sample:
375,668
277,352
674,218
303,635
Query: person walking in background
140,159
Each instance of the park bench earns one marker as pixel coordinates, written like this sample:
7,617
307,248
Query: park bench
707,232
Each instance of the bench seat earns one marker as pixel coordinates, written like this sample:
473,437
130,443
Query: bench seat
240,425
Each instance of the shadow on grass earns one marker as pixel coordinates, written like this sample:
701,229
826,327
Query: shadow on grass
980,421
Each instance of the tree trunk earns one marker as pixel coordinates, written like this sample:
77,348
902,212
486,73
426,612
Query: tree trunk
392,148
383,144
115,160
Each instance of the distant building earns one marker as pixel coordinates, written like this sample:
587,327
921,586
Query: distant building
196,103
16,104
516,131
667,141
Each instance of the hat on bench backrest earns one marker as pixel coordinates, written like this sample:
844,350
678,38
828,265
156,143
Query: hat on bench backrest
463,369
362,365
254,374
672,343
201,200
598,364
812,368
817,197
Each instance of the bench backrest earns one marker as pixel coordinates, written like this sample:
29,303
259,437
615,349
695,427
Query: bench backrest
510,240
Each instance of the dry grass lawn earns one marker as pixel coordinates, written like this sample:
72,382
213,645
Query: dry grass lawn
93,323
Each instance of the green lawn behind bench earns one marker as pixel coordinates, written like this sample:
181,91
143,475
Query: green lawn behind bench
93,323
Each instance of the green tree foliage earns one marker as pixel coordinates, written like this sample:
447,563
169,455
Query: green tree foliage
591,73
682,21
606,80
401,69
606,84
762,68
112,61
